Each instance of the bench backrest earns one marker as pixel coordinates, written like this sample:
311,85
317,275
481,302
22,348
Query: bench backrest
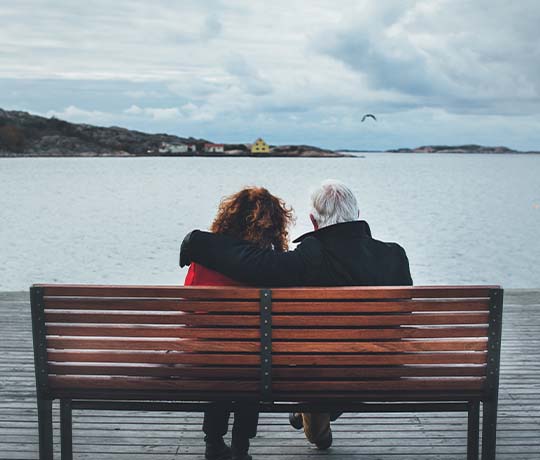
286,344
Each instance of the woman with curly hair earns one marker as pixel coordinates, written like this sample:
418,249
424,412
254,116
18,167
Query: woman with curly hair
255,215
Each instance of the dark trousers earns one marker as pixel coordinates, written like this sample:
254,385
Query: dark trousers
246,417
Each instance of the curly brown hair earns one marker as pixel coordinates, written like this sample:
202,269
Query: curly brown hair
255,215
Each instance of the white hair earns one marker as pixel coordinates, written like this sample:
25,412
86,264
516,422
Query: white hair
332,203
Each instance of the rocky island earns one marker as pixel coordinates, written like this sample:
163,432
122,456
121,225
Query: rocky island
25,135
467,148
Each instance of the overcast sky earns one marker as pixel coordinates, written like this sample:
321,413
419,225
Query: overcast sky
292,71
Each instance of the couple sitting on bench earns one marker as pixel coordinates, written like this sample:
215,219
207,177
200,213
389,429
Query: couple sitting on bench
248,246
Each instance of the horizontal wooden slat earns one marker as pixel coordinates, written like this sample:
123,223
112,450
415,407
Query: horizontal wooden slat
186,345
348,292
437,384
379,292
379,347
191,292
378,320
378,333
152,318
337,398
379,360
182,371
141,304
300,373
132,383
277,320
452,291
372,372
165,394
338,293
380,307
152,357
190,345
278,360
277,333
151,331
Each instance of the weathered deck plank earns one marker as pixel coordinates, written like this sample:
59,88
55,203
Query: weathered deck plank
111,435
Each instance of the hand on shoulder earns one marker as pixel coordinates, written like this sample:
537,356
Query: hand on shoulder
185,257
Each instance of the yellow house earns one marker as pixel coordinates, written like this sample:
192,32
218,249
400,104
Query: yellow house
260,146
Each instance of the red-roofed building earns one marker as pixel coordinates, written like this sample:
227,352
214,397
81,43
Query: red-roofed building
214,148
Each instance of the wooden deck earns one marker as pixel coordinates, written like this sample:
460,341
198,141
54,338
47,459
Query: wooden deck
111,435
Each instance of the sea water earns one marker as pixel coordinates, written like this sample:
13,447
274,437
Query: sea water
462,219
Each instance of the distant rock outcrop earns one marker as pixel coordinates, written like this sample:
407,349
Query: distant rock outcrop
24,134
303,151
467,148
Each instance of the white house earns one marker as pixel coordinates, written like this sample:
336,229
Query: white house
172,148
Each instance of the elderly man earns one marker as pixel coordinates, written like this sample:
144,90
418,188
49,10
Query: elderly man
340,251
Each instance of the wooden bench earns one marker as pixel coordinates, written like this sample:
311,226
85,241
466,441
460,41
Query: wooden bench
352,349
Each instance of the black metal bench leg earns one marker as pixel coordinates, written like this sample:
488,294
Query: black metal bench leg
489,430
45,429
473,431
66,430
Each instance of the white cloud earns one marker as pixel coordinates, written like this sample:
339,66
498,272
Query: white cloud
78,115
187,112
155,113
171,113
189,107
141,94
134,110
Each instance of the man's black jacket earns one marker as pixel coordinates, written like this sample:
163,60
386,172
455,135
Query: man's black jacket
339,255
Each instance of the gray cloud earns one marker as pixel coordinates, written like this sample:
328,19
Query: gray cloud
298,70
461,55
247,75
406,72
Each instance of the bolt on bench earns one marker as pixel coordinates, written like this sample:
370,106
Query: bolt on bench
351,349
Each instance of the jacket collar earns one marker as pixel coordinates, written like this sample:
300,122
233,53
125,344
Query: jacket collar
354,228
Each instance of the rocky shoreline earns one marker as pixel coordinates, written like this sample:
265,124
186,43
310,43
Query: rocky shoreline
26,135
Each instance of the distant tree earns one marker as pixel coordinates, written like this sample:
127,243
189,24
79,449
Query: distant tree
242,147
11,138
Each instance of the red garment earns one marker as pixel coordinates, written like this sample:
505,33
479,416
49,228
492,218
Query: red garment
216,419
199,275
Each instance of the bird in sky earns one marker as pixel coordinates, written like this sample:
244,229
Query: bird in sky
368,115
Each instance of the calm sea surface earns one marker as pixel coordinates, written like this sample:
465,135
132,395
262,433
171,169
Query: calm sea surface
462,219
